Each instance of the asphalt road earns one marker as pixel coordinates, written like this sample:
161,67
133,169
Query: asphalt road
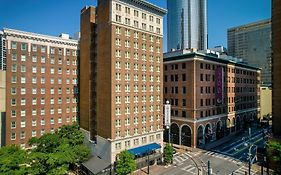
239,147
185,164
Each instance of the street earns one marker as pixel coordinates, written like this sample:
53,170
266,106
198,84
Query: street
239,146
195,162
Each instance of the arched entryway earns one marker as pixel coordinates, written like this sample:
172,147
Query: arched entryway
245,122
228,126
238,123
166,135
232,124
208,133
175,132
200,136
186,135
219,131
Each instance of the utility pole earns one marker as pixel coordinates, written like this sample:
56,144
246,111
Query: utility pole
249,164
262,167
209,168
169,134
148,162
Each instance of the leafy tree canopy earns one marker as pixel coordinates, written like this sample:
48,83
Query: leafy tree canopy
125,164
54,153
13,160
168,153
274,152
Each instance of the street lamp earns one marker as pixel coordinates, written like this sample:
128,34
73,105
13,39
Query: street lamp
168,118
250,154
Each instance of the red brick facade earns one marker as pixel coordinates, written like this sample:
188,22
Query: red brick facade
41,85
190,86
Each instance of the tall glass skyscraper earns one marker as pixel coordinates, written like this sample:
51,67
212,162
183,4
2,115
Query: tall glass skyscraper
187,24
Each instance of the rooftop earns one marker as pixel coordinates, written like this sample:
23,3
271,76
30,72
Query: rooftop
210,57
150,5
252,25
30,35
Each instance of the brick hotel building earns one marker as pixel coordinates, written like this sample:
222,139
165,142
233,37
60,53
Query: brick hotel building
210,97
39,78
276,71
121,76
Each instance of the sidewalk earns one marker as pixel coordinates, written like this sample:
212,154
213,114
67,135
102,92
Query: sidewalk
153,169
236,136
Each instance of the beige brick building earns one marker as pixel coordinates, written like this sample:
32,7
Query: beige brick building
121,75
266,101
41,85
210,97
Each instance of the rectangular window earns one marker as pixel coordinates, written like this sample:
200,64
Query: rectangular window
22,124
34,48
34,91
13,124
34,101
13,136
22,91
118,18
143,16
13,102
14,56
43,49
22,113
23,68
23,46
118,7
13,79
34,123
34,80
14,68
34,70
23,58
43,59
22,102
42,101
14,45
34,112
34,133
34,59
42,70
136,13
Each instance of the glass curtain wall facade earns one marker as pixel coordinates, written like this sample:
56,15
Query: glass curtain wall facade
187,24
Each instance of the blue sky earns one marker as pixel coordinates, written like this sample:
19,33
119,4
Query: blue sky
53,17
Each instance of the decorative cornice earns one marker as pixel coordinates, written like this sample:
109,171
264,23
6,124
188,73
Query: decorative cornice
151,6
39,37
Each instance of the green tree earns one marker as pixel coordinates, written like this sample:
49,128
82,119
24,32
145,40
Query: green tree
56,153
274,153
168,153
125,163
13,160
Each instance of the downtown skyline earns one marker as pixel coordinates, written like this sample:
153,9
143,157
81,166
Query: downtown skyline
65,16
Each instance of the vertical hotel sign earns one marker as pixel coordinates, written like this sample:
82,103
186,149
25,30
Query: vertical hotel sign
219,85
167,114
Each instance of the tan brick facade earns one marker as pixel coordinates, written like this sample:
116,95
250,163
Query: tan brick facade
127,75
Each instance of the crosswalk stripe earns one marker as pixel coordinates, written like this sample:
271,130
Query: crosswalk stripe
181,159
176,160
187,167
242,170
184,156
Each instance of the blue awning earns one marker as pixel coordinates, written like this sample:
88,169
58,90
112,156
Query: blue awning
144,149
